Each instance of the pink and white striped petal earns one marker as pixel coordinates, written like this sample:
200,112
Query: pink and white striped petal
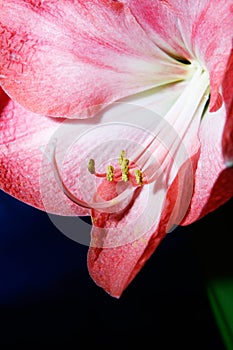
191,29
70,59
22,161
213,176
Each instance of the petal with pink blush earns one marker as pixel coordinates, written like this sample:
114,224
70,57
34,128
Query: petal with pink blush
161,24
227,92
22,139
213,181
114,268
191,29
70,59
119,240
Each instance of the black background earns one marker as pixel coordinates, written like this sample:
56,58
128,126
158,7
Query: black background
48,298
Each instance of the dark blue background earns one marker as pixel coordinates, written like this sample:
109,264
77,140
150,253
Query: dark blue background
47,296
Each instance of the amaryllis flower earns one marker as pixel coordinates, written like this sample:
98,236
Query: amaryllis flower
152,83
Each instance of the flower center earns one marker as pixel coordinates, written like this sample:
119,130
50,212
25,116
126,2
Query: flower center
168,144
126,171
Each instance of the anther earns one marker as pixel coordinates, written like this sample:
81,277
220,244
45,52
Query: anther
125,169
91,166
138,176
122,157
110,173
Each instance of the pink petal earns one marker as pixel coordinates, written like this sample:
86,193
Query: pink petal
161,24
66,58
123,241
213,179
228,101
191,29
113,258
114,268
25,172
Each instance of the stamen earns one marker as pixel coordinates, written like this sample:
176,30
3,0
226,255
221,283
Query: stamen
110,173
125,169
122,157
123,175
107,206
138,176
91,166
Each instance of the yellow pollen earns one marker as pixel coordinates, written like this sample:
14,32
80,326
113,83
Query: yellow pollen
91,166
110,173
122,157
125,169
124,164
138,176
